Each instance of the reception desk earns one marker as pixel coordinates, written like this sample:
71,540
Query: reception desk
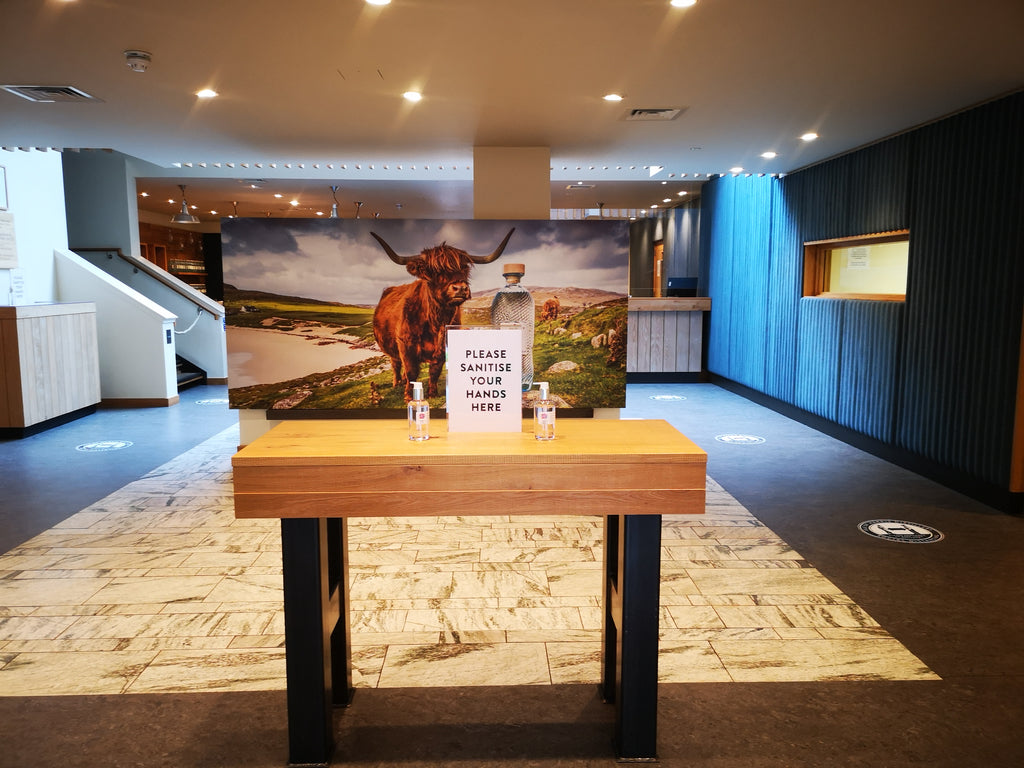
49,365
315,474
666,335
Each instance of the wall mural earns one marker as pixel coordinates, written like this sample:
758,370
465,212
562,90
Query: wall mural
327,314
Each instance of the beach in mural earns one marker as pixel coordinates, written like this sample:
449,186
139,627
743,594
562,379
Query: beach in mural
300,297
260,356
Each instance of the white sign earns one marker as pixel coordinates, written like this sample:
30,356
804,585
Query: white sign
858,257
485,372
8,248
17,287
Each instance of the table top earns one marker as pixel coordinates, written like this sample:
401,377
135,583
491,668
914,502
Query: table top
385,441
369,468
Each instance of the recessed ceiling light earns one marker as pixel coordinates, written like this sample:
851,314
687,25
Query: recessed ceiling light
278,195
206,93
378,2
612,97
735,169
682,3
769,155
683,192
810,136
294,202
144,194
667,200
413,96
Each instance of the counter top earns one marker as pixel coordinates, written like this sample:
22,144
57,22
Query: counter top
669,304
369,468
46,310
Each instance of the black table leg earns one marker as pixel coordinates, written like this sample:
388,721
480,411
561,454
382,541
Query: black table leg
316,634
631,598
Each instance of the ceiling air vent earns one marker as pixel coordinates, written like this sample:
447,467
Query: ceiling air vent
49,93
654,115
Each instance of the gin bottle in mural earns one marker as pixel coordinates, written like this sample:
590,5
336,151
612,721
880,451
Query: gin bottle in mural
513,304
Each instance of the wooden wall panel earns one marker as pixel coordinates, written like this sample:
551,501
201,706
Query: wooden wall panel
665,342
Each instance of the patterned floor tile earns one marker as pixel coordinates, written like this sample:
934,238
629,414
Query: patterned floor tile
158,588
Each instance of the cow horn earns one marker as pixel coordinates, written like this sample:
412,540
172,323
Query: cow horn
497,251
403,260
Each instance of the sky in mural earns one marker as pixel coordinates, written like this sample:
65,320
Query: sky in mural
338,260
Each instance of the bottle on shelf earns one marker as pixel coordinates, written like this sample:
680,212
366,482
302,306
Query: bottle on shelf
513,305
419,414
544,414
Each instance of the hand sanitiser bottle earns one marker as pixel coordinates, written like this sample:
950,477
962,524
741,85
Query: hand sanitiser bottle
419,414
544,415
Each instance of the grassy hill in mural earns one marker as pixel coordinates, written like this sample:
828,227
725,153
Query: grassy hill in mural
258,309
581,352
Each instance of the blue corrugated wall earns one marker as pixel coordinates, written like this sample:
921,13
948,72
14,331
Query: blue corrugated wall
934,376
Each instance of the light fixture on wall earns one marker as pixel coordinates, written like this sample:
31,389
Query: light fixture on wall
184,217
334,205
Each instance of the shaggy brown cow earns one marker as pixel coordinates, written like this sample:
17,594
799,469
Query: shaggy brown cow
410,320
550,309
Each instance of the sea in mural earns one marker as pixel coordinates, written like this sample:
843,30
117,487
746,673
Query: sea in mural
301,297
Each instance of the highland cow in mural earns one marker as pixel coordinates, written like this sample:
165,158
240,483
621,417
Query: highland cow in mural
410,320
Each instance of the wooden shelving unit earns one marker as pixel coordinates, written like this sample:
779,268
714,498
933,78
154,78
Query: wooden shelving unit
177,251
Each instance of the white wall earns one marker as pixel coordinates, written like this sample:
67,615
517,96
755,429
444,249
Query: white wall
206,343
102,211
136,359
35,197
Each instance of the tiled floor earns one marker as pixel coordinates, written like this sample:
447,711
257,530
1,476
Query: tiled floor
157,588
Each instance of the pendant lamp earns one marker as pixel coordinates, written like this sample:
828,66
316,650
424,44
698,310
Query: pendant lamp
184,217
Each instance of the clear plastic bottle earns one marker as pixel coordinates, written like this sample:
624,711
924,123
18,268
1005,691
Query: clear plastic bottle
544,414
513,304
419,414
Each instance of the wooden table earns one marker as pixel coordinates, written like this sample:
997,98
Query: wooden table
315,474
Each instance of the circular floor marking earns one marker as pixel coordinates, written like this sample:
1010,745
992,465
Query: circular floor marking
740,439
900,530
103,445
667,397
213,401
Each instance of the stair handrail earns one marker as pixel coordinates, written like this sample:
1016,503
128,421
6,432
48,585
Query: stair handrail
201,300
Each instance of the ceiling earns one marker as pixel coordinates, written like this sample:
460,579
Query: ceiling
310,93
